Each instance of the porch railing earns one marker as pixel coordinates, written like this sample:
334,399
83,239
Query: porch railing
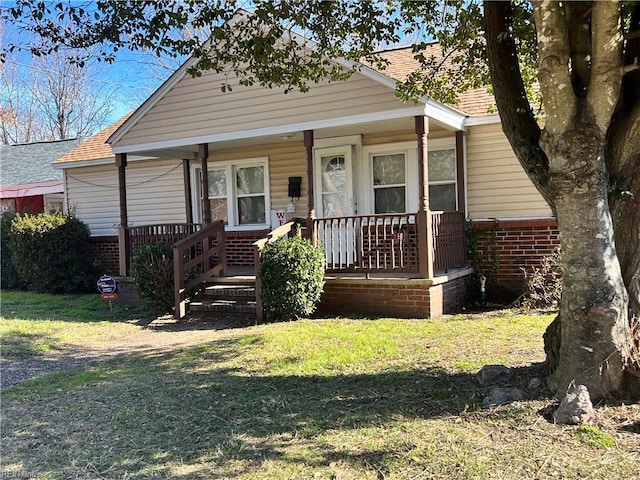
196,259
449,242
369,243
389,243
283,231
163,232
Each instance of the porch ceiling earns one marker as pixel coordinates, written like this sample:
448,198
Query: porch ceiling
391,125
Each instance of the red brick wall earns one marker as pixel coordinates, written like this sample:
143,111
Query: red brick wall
240,247
519,244
104,252
401,298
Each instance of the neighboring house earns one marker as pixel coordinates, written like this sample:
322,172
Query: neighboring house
386,186
28,182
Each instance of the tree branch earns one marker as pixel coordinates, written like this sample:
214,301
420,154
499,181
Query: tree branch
606,67
553,67
518,121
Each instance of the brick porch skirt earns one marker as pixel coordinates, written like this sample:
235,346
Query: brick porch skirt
394,297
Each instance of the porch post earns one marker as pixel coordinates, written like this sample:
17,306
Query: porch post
124,245
423,221
186,179
311,214
203,151
460,173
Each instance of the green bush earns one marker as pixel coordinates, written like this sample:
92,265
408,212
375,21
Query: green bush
152,272
51,253
292,275
9,274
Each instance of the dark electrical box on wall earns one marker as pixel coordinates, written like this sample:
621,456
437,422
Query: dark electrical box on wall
295,187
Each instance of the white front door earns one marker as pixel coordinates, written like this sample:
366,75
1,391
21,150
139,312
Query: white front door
335,198
334,183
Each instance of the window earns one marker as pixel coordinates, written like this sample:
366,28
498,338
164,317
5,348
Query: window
442,180
250,191
238,192
389,183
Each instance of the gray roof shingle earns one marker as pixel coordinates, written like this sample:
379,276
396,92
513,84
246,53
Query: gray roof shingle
31,162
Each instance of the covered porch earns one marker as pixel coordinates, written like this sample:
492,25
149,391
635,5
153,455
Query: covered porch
371,236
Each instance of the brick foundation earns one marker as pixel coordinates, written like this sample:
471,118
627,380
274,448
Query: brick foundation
240,251
403,298
104,253
519,244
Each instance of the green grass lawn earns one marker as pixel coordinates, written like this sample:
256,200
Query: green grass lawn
328,399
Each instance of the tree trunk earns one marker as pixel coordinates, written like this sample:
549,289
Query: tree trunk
594,331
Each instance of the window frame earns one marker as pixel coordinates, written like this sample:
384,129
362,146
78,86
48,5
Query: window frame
437,145
230,166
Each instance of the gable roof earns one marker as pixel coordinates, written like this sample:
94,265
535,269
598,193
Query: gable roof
30,163
474,103
95,148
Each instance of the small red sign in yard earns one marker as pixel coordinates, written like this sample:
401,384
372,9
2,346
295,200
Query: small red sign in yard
109,296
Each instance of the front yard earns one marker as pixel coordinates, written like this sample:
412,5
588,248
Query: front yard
333,398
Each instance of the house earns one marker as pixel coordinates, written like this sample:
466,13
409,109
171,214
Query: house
385,187
29,184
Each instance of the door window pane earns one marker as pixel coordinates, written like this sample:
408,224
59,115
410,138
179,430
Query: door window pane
442,165
442,197
334,173
250,189
334,204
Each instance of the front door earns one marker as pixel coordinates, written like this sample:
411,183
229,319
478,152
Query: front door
335,198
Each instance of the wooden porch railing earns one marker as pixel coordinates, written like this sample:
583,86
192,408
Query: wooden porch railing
389,243
286,230
196,259
163,232
449,242
369,243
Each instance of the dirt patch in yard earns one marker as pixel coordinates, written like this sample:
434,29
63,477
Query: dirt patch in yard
161,335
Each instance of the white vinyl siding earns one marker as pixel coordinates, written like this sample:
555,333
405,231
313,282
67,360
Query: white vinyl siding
155,194
197,107
497,186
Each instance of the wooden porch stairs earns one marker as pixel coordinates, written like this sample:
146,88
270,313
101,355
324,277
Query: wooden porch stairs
233,296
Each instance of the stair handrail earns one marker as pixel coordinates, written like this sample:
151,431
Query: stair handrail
292,227
194,258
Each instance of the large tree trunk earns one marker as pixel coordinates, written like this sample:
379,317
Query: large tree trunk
580,72
594,332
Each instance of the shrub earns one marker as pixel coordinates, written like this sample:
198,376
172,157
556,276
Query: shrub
51,252
152,272
543,285
9,274
292,275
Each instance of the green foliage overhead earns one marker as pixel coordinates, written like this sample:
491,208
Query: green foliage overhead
51,254
152,272
292,275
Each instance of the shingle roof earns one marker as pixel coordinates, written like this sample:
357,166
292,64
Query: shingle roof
95,148
402,63
30,163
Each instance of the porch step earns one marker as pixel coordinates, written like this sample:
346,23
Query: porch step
228,298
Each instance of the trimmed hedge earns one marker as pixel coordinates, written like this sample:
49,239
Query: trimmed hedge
9,277
51,253
292,274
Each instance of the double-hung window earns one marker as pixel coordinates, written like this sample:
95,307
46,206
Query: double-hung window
238,193
442,180
389,183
